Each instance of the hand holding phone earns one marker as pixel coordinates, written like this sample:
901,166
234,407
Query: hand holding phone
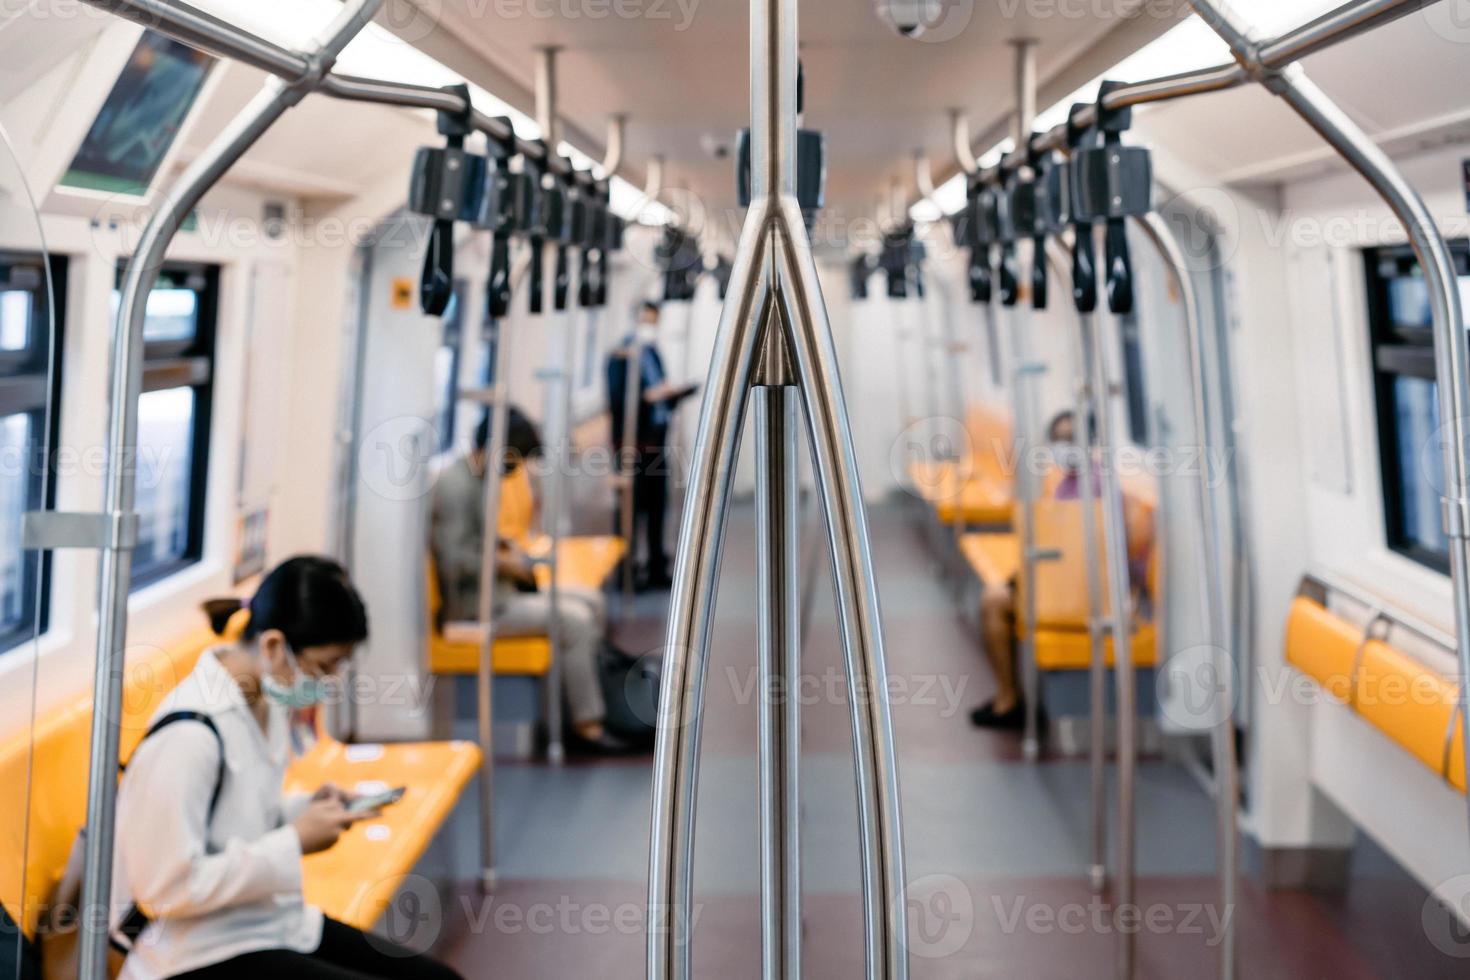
359,805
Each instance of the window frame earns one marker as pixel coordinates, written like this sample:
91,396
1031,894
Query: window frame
1396,351
187,363
28,381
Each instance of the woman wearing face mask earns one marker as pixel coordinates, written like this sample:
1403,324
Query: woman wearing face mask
208,848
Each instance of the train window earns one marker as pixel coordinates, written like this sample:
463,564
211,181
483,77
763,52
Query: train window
26,342
446,366
173,419
1407,399
142,116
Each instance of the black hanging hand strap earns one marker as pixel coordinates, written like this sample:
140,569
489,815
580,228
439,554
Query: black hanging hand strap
436,282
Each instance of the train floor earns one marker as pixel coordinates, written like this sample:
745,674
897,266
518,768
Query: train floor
996,847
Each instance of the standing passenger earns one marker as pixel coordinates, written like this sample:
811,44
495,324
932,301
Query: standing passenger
651,439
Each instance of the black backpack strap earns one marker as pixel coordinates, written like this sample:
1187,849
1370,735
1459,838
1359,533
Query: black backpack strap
174,717
134,921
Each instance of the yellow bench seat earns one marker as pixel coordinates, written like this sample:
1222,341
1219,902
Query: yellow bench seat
355,880
582,562
1402,697
352,881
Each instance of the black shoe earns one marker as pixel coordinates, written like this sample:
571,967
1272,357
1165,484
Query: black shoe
986,716
606,744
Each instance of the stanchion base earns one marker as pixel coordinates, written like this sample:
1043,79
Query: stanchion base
489,878
556,753
1098,878
1031,749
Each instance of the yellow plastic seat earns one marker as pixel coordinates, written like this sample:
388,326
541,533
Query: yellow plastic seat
455,649
1322,646
1405,700
994,558
356,879
582,562
1394,692
978,501
351,882
1062,639
1070,649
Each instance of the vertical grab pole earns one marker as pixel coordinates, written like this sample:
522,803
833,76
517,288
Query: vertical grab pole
1450,354
498,371
559,380
1023,400
1222,731
774,288
1083,411
1120,614
778,541
115,563
628,457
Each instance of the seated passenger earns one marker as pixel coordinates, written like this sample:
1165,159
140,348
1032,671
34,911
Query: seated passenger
998,604
208,849
457,539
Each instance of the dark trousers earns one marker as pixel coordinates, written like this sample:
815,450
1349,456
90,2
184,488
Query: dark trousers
650,508
344,954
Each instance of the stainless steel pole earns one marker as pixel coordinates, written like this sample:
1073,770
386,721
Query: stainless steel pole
1120,613
628,458
498,380
115,564
876,765
1212,596
1450,347
778,540
1083,411
1023,400
774,249
1023,376
691,606
558,379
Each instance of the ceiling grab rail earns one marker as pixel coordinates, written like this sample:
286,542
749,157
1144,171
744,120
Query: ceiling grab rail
114,531
774,329
1452,374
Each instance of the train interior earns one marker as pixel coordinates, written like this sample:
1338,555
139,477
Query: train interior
1270,782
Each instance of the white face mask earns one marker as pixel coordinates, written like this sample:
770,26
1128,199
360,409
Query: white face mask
302,692
647,333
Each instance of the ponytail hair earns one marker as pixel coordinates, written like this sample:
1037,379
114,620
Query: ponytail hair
308,598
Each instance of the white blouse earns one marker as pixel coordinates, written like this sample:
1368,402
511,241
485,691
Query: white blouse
231,888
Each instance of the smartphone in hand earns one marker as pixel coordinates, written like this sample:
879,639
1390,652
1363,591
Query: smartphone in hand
376,801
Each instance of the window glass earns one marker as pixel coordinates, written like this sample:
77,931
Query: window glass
141,117
173,419
15,500
15,319
165,465
1419,468
172,313
1409,436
